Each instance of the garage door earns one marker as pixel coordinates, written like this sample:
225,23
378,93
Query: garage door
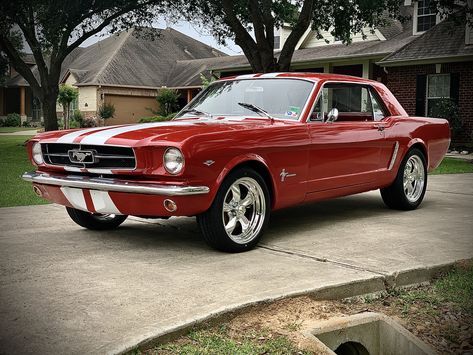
129,109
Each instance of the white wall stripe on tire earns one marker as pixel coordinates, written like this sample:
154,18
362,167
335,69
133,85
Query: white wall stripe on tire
103,202
75,197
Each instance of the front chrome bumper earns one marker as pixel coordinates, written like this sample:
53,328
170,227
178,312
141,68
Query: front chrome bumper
106,184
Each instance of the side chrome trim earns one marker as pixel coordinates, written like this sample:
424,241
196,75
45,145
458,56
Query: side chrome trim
106,184
394,156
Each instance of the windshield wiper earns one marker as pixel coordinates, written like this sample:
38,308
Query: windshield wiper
256,109
196,112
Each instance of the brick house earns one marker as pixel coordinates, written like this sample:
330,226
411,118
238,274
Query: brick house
421,60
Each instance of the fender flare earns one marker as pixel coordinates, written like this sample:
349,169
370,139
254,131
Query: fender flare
419,141
241,159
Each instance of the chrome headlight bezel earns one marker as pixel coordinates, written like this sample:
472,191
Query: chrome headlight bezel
37,153
173,160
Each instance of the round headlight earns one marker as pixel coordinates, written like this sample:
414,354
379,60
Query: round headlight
37,154
173,161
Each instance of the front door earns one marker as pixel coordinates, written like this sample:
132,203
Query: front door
347,151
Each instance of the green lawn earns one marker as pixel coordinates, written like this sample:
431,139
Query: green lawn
13,162
15,129
454,166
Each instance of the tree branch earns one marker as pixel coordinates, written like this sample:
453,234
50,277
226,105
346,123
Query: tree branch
19,64
303,23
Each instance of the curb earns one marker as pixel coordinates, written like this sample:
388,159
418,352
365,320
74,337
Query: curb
378,283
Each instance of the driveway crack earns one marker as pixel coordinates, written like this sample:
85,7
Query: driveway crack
318,259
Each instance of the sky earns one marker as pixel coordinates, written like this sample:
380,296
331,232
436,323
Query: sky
188,29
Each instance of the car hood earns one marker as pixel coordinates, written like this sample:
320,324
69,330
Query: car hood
153,133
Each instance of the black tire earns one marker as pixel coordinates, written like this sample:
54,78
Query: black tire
395,196
95,221
212,222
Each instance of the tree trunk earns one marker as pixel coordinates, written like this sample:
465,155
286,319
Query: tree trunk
48,104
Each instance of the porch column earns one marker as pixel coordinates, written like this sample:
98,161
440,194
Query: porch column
366,70
189,95
22,104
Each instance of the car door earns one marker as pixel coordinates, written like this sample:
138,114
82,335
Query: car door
347,151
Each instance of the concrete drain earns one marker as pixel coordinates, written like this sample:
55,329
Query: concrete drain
365,334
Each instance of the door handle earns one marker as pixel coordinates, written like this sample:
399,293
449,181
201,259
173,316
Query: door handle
379,127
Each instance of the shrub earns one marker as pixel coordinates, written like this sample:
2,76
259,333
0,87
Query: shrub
168,101
156,118
89,122
448,109
12,120
77,119
106,111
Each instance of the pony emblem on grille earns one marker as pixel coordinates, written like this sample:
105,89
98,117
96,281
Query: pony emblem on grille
81,156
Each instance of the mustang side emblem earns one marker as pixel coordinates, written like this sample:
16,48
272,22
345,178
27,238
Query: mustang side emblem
81,156
284,174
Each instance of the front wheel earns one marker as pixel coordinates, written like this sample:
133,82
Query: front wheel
239,214
95,221
408,190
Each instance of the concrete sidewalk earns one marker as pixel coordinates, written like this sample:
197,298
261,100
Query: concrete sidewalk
68,290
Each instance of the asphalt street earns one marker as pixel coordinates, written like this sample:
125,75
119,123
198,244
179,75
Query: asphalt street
67,290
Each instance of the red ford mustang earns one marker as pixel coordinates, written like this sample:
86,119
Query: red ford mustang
243,147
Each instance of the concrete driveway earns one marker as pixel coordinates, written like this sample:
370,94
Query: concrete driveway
66,290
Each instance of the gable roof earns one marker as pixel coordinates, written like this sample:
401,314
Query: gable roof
443,42
137,57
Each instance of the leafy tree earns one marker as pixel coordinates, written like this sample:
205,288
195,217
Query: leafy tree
54,28
67,94
251,23
168,102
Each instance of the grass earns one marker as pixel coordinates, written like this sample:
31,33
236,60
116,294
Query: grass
217,341
454,166
456,287
15,129
13,162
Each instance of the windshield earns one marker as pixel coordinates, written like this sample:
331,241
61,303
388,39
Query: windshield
279,98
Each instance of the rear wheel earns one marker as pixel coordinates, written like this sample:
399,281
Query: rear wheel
239,214
95,221
408,190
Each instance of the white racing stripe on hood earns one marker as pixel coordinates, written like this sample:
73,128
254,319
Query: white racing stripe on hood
103,136
69,138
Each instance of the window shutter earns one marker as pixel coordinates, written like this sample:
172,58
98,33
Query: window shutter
421,84
455,87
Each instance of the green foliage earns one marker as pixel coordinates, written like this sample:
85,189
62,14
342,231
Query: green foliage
67,94
168,102
12,120
157,118
206,82
454,166
14,162
448,109
106,111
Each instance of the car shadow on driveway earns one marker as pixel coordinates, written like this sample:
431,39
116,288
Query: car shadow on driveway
313,218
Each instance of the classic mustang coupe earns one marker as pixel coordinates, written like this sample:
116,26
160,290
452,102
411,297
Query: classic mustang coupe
243,147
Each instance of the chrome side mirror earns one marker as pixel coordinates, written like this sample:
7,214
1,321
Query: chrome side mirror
332,116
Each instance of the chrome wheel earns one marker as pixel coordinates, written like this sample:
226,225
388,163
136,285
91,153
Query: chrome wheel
414,178
244,209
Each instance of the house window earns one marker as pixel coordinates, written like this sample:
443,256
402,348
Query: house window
426,15
277,42
438,88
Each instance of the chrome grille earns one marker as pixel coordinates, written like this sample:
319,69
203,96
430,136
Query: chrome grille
104,157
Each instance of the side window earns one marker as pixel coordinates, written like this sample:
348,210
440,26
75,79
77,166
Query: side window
353,102
378,110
